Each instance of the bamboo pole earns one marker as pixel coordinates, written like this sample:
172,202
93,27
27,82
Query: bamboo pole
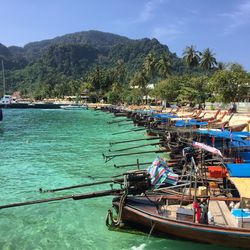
172,187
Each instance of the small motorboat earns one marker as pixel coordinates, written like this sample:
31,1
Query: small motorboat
75,107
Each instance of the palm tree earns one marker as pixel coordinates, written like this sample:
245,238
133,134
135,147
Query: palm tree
119,71
221,66
149,65
139,80
164,66
191,56
208,60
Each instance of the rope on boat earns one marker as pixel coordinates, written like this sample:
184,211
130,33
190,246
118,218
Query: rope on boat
152,228
110,220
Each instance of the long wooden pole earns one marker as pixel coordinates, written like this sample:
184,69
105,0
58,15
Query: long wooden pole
139,146
136,153
132,165
80,185
74,197
127,131
179,197
121,120
141,139
109,157
125,123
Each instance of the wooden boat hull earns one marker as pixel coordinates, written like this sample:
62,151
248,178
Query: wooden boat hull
151,133
231,237
117,114
239,128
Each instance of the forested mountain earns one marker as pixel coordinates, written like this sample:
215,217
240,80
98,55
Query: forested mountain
74,57
108,45
12,58
101,41
108,65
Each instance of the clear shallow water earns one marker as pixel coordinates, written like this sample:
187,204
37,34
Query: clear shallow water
55,148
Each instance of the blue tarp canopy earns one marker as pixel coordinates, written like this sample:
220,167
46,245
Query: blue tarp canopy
239,169
242,134
189,123
237,136
240,213
164,116
245,155
240,143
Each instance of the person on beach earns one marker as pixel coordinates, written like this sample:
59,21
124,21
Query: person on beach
197,210
233,108
204,212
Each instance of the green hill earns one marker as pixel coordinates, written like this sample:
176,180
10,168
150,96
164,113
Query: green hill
50,63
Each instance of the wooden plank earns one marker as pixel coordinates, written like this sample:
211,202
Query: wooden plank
221,213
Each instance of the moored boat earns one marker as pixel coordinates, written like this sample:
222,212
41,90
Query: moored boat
75,107
145,212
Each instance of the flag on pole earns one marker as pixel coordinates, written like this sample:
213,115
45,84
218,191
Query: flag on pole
160,173
207,148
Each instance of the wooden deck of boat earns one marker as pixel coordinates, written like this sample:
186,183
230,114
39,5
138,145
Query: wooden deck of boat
144,204
219,210
221,214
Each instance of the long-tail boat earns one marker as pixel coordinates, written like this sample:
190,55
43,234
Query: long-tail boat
177,220
175,214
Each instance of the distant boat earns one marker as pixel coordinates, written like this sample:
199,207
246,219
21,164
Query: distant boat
5,99
75,107
1,114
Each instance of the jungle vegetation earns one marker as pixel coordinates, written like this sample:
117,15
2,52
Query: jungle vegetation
118,69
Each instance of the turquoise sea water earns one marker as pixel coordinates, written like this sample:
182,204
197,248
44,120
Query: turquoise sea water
56,148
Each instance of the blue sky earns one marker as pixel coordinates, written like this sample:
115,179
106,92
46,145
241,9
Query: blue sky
221,25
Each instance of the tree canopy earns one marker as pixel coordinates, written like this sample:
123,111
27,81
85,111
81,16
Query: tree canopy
230,85
120,69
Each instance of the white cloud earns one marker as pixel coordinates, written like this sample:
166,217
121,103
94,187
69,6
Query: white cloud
148,10
239,17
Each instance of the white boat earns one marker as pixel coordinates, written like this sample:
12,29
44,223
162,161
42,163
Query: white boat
6,99
75,107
